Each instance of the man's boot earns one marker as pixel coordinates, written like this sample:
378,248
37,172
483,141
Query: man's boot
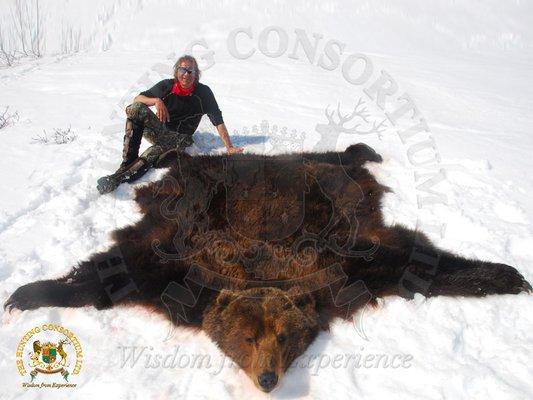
128,173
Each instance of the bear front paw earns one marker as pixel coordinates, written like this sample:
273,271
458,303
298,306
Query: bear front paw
502,278
22,299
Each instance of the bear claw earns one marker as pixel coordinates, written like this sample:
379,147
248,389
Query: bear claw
526,287
20,300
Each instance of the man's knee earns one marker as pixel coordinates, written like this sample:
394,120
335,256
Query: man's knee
183,141
152,153
137,110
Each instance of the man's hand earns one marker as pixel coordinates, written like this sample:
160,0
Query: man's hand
162,112
235,150
223,132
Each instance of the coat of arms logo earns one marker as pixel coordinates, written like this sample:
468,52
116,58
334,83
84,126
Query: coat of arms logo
49,349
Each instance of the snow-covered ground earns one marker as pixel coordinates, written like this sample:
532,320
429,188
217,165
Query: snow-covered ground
468,67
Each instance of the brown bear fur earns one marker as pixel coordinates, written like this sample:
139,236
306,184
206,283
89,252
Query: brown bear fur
264,251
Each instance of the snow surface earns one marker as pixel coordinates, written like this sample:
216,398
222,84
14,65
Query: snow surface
467,66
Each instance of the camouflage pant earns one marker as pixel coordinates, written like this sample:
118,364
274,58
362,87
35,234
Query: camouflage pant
142,122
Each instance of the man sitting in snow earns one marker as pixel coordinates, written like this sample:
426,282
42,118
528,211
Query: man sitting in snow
180,104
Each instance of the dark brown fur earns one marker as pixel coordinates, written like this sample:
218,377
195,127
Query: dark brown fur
263,252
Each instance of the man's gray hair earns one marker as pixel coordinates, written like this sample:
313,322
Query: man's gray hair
194,63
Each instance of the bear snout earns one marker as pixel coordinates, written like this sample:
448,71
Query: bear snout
267,380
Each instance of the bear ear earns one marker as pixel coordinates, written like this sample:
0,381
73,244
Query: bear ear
300,298
225,297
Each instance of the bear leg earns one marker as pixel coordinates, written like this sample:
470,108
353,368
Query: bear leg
450,275
53,293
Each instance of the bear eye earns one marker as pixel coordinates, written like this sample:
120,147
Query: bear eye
250,340
281,338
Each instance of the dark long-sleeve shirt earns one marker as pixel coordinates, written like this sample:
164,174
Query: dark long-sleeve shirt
185,112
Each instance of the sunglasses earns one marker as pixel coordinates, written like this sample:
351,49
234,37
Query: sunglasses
183,70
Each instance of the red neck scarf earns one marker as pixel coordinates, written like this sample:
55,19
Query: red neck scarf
181,91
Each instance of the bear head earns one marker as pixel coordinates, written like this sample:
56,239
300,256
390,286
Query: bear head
263,330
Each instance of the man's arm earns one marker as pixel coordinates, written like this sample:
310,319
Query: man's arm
149,101
223,132
152,97
215,115
162,112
